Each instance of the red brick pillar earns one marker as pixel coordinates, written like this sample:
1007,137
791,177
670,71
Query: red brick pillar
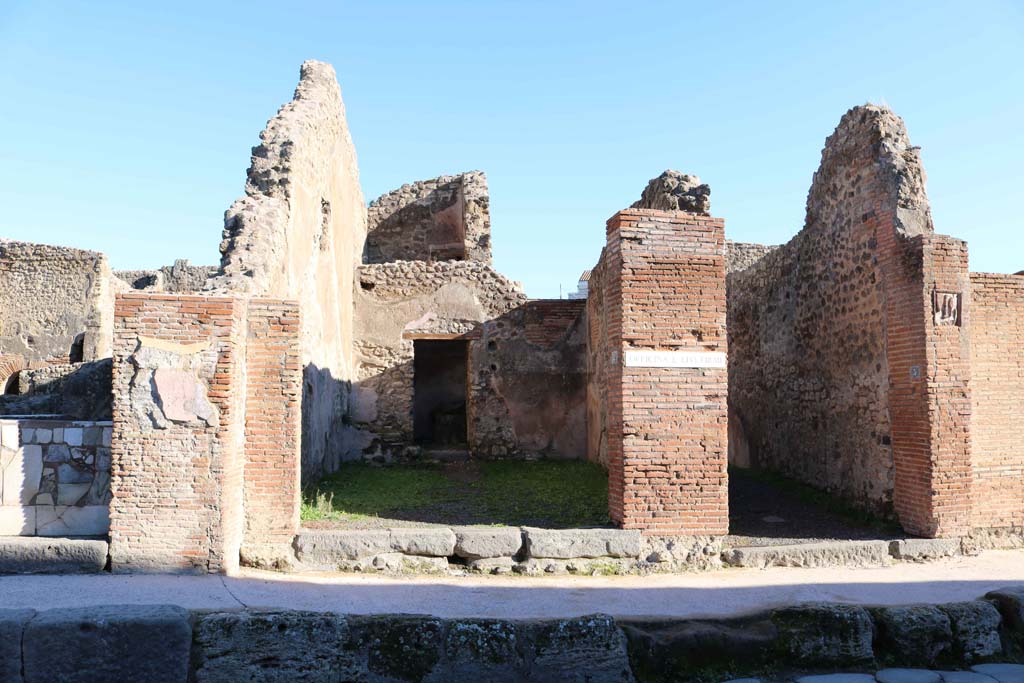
176,452
664,328
927,287
273,427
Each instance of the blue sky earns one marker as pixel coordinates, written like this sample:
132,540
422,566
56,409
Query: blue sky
128,125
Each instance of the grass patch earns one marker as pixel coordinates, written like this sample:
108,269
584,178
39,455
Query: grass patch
542,493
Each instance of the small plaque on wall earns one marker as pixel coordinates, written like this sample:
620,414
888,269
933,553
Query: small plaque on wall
674,359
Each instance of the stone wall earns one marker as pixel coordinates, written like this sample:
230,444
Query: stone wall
56,303
526,365
298,234
742,255
442,219
54,477
182,277
79,391
661,286
997,399
839,373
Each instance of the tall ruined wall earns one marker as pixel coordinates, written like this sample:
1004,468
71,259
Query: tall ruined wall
525,370
298,234
56,303
997,399
841,373
446,218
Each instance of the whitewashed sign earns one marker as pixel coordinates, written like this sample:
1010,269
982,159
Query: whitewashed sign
674,359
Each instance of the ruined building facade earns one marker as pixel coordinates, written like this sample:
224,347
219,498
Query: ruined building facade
181,410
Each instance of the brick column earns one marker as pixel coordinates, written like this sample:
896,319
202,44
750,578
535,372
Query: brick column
664,329
207,429
177,457
273,427
927,288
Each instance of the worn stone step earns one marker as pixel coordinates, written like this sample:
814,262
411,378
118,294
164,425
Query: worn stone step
821,554
39,555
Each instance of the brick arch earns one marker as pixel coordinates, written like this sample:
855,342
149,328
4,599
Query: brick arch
10,366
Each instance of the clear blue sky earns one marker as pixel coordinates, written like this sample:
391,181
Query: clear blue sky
127,125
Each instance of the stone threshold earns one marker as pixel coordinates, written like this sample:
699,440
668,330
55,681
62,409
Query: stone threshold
49,555
529,550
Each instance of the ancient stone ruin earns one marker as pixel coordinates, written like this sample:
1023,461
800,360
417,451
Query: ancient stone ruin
181,410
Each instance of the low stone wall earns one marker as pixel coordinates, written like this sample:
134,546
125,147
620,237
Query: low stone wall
55,477
168,644
498,550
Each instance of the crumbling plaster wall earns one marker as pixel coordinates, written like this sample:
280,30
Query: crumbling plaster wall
526,370
445,218
49,296
829,339
298,233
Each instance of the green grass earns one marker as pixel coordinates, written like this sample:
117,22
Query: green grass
545,493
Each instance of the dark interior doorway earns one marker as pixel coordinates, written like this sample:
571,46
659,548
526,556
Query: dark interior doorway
439,393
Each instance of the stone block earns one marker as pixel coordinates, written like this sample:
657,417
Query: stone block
915,635
326,549
486,542
401,647
492,565
824,635
484,650
670,649
825,554
975,628
17,520
273,647
9,435
924,549
44,436
73,436
60,520
22,472
34,555
1010,603
590,648
581,543
1004,673
908,676
148,643
431,542
28,435
12,628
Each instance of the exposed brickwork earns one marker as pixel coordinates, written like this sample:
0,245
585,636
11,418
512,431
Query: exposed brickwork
929,372
663,281
840,373
997,398
177,490
181,439
548,320
273,422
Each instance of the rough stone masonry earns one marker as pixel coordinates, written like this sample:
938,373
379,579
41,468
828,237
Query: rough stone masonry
862,357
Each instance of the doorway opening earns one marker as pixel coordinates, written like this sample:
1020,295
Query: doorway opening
439,393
